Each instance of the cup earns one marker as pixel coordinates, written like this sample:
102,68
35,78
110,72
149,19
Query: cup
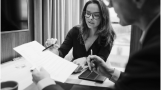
9,85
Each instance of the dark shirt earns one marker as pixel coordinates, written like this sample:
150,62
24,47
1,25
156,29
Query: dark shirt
75,40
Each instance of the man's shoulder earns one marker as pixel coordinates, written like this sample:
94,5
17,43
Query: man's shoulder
152,45
149,50
149,53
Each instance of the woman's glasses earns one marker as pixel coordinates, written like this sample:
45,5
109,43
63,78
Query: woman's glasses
95,15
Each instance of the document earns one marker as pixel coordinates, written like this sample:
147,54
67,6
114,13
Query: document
58,68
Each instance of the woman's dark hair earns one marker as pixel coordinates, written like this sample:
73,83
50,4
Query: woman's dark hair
105,32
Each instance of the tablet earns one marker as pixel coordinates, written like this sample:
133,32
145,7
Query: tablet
92,76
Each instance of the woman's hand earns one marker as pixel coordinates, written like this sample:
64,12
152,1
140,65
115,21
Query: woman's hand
97,64
55,47
80,61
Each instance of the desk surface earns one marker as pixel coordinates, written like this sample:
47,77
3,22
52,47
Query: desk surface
19,71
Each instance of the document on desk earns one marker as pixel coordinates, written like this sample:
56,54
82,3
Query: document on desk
58,68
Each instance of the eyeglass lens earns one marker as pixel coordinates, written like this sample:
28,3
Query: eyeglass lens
95,15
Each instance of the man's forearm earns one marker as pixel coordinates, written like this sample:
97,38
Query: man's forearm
53,87
112,73
115,75
48,84
45,82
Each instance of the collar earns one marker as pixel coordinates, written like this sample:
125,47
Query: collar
146,30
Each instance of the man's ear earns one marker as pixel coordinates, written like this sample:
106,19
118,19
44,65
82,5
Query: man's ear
139,3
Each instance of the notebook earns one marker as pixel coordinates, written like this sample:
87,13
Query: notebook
92,76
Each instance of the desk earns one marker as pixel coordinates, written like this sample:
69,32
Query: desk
19,71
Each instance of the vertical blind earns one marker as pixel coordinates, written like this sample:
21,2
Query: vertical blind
65,15
54,18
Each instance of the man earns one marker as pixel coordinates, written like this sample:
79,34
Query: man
143,68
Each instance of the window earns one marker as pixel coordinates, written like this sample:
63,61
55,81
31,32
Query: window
24,14
120,51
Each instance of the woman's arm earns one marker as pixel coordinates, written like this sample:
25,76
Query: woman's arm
68,43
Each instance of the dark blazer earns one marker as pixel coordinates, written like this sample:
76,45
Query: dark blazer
143,68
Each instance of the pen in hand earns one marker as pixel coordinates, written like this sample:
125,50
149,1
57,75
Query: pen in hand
91,60
93,67
51,45
48,47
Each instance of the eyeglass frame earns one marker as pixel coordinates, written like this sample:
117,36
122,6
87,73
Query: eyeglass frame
93,15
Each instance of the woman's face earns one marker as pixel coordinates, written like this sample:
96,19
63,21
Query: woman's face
92,16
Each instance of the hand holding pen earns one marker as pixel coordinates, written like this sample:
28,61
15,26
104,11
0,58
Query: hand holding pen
50,43
92,64
52,46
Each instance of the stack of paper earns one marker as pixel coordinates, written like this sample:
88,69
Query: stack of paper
59,68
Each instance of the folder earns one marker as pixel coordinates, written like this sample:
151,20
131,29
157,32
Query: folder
92,76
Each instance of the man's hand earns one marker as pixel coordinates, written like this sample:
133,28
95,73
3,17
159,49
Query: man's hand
39,75
97,64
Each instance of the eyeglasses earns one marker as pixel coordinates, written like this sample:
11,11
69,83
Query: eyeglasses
95,15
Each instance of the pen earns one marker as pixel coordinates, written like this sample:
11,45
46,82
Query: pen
33,68
48,47
92,61
91,52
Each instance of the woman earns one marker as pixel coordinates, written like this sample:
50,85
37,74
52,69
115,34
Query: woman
94,33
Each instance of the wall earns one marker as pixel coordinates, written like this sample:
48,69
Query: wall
11,40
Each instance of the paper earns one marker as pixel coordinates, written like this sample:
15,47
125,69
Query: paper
58,68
